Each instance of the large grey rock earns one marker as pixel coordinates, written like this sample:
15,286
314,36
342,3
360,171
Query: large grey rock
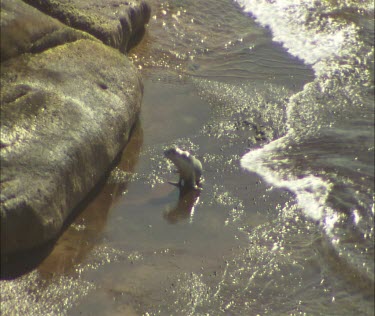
66,113
68,104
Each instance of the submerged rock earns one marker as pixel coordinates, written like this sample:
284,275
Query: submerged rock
68,104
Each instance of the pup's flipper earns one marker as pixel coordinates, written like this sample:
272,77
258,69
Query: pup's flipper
177,184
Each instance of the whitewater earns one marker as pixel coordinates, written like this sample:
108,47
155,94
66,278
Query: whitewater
334,49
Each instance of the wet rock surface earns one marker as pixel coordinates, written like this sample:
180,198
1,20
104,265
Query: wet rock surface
68,105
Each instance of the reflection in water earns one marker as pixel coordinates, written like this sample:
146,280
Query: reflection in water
185,207
82,235
127,164
82,229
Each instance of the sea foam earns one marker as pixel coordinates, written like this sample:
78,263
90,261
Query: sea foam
292,24
311,191
318,42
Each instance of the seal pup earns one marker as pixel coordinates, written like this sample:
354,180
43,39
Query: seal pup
189,167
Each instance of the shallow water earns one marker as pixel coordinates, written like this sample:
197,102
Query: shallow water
217,85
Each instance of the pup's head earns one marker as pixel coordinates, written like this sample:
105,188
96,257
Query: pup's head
171,152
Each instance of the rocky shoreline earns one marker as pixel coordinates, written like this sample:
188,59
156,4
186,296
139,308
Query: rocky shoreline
69,100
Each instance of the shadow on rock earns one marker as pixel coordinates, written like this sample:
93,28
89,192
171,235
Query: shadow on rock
81,230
